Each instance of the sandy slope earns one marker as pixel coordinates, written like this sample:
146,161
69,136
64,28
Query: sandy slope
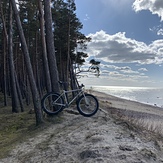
76,139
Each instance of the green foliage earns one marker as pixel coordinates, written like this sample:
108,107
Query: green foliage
67,31
79,58
28,11
93,62
95,67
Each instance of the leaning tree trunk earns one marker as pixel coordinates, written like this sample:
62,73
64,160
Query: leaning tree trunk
14,94
50,46
35,94
44,51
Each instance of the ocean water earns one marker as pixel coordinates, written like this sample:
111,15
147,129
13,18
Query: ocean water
147,95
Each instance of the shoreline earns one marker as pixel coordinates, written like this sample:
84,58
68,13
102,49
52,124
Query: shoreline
144,116
124,104
146,95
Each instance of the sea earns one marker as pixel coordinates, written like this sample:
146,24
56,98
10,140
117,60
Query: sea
148,95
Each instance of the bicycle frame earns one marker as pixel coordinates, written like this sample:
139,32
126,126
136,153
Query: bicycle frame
63,94
53,103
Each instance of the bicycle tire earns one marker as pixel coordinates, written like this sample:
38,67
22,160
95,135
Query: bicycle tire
48,104
87,105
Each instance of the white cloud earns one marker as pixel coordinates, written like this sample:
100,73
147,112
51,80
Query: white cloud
105,72
125,73
142,69
154,6
129,72
157,29
160,32
117,76
118,48
125,70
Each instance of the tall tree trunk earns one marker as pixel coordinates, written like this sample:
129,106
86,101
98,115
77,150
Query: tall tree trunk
4,71
27,90
44,51
37,69
50,46
5,40
68,51
17,76
35,94
14,97
19,93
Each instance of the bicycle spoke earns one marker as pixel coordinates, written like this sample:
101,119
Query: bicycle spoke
52,103
87,105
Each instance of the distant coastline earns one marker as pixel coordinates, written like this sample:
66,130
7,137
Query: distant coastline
147,95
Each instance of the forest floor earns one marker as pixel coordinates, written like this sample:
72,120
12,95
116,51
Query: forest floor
71,138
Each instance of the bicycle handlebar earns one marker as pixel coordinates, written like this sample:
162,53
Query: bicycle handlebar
61,83
81,86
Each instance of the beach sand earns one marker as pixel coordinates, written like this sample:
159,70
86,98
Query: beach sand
124,104
101,138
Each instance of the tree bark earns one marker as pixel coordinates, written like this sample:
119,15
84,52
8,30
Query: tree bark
4,71
19,93
50,46
44,51
15,102
35,94
4,54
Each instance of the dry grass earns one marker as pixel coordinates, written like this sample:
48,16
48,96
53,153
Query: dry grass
153,124
15,128
143,121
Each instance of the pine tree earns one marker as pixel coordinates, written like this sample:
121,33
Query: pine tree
50,46
15,102
67,37
35,94
44,50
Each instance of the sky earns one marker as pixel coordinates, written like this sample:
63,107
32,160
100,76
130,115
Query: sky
127,38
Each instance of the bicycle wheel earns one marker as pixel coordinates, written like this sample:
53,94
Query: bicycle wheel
52,103
87,105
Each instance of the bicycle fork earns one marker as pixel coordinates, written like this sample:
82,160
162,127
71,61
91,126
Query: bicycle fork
86,100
